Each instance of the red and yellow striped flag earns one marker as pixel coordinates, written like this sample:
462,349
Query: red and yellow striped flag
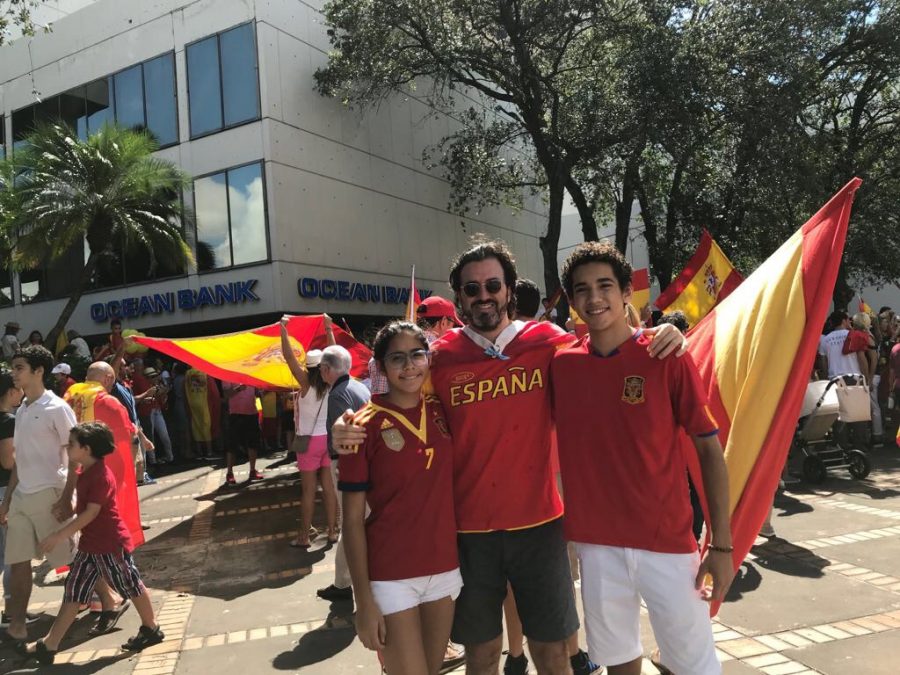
253,357
755,352
864,307
707,279
640,283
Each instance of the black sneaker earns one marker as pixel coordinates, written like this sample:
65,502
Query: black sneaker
335,594
582,664
515,665
29,618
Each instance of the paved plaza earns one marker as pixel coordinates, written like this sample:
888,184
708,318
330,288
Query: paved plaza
232,596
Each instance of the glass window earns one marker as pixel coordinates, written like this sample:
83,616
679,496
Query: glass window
99,103
230,209
53,280
129,90
72,110
247,208
223,82
22,123
240,93
160,99
46,111
211,212
204,92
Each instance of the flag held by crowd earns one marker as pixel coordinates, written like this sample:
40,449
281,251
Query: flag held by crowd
706,280
254,357
755,353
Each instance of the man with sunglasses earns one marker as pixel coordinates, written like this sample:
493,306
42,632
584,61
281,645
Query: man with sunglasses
492,377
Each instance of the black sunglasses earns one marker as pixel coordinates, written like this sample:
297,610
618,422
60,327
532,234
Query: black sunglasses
473,288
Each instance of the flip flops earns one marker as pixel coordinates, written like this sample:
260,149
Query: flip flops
108,619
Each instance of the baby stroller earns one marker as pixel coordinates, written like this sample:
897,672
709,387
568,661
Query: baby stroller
825,403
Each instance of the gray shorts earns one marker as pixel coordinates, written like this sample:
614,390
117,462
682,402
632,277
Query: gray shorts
536,564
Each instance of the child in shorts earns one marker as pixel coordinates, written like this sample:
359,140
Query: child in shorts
403,557
104,549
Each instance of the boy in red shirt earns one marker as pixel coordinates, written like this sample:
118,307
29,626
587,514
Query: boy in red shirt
104,549
627,503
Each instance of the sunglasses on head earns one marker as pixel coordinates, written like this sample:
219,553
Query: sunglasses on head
473,288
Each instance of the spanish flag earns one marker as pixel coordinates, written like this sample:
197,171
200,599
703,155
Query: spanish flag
755,353
864,307
707,279
254,357
91,403
640,284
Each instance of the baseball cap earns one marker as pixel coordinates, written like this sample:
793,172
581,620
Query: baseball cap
63,368
150,371
435,307
313,358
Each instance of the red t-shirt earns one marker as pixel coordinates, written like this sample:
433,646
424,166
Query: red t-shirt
499,414
107,532
405,467
857,341
619,423
140,384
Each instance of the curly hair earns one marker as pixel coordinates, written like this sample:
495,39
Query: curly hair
484,248
596,252
37,356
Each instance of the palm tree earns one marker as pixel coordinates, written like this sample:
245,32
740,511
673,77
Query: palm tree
108,190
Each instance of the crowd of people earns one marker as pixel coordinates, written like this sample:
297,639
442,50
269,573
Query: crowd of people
442,474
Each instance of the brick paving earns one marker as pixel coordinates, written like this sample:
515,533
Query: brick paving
823,597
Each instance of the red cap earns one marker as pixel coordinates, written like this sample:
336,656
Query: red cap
435,307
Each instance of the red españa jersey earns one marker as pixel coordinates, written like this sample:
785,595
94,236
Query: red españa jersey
499,413
107,532
619,419
405,466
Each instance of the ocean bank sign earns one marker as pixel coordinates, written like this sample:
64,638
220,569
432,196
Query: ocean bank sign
187,299
350,291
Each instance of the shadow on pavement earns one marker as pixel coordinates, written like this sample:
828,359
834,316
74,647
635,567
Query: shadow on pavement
783,557
94,666
746,580
321,644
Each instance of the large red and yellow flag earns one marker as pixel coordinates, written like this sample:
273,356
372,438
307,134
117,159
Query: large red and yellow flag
254,357
706,280
755,353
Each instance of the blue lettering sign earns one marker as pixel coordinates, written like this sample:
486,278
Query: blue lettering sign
233,293
328,289
373,293
224,294
129,307
343,290
308,288
98,312
186,299
164,303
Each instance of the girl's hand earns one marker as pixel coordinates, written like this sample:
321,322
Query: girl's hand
666,340
370,626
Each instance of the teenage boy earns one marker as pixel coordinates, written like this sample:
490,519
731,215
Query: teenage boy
42,481
104,548
627,505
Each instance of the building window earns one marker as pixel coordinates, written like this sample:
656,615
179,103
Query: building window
139,97
230,209
53,279
6,292
223,82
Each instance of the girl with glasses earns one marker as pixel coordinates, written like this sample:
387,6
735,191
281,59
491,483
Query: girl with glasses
402,556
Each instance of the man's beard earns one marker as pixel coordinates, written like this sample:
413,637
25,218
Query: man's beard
487,316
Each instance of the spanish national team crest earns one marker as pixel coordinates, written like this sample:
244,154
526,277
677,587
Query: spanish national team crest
393,439
711,281
634,389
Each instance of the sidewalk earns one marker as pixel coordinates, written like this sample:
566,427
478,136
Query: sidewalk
824,597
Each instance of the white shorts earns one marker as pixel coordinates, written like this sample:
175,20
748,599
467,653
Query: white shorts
613,581
398,596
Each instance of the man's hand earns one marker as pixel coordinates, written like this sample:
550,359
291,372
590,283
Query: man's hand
370,626
62,510
4,513
666,340
327,322
285,318
719,566
346,436
50,543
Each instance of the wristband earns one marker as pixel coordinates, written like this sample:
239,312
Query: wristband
721,549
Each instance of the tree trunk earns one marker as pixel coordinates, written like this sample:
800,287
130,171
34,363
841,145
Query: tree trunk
585,212
660,259
843,294
550,243
623,206
86,275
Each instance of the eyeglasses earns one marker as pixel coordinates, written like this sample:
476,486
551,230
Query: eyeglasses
398,360
473,288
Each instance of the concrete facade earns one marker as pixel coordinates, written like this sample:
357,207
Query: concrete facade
347,195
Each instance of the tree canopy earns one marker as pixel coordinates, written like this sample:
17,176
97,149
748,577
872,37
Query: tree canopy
741,116
16,14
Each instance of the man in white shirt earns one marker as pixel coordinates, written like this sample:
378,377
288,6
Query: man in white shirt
79,344
831,346
9,343
42,481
